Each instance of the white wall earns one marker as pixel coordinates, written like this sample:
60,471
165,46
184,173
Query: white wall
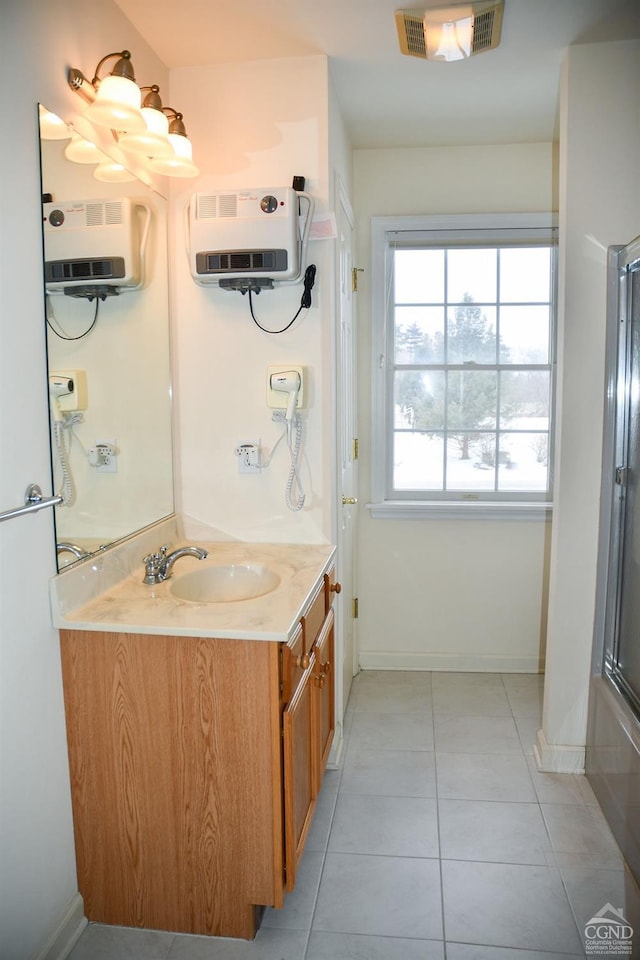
38,888
252,124
600,205
438,594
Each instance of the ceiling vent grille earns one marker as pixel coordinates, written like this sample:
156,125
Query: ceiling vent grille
487,26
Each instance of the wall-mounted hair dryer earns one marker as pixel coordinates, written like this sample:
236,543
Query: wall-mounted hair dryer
290,382
67,392
285,395
59,386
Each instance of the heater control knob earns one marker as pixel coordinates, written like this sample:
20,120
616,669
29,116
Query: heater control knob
269,204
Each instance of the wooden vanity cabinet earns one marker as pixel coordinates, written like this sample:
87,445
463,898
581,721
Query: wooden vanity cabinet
195,766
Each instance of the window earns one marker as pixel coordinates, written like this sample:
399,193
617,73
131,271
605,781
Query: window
464,319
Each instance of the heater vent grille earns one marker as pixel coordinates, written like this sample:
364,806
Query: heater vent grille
212,206
228,204
241,261
103,213
487,26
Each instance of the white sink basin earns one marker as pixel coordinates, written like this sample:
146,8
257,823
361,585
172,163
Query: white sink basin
224,584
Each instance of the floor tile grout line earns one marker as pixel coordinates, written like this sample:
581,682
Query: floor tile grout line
346,744
440,874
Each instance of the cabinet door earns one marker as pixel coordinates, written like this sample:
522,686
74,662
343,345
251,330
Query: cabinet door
324,694
299,771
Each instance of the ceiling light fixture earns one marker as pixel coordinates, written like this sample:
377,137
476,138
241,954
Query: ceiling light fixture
450,33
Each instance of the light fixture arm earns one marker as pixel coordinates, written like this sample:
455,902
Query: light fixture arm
79,84
123,68
88,88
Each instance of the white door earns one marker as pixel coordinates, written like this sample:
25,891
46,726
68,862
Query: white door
347,463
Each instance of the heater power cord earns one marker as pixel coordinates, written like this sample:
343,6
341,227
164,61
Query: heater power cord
305,302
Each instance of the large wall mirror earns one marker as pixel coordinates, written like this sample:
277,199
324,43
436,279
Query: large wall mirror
111,444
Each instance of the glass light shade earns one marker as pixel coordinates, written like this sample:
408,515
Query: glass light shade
152,142
448,33
180,164
79,150
51,126
113,172
117,105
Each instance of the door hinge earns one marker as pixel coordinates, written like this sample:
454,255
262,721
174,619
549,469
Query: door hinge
355,608
622,476
354,278
356,448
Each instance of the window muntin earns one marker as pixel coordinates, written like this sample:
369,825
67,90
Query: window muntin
468,357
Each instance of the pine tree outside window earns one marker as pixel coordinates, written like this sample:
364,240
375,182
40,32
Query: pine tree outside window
464,328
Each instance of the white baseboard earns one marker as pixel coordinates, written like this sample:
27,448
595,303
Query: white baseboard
455,662
557,758
335,754
66,933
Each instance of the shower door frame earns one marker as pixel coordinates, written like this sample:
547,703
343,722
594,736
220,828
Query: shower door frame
622,262
612,756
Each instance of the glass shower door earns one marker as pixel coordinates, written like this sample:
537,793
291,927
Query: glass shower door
622,660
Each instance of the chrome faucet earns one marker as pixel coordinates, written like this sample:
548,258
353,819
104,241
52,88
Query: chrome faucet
159,566
66,546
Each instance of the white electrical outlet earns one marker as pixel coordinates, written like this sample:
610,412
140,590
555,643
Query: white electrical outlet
248,454
103,455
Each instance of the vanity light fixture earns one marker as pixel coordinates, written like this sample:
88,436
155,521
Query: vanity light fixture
52,127
112,172
450,33
153,141
115,100
79,150
156,134
180,162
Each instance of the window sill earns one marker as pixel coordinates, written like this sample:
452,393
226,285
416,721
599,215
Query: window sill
459,510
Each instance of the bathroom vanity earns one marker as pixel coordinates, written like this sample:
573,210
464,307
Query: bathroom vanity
198,734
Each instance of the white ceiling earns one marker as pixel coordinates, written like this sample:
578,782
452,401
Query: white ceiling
507,95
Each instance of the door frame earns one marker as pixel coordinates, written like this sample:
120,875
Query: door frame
343,380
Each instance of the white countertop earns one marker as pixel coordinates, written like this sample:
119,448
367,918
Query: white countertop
130,606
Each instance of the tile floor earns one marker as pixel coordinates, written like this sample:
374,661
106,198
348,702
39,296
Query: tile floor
436,840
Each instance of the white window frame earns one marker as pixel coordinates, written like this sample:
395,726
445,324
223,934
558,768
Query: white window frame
384,230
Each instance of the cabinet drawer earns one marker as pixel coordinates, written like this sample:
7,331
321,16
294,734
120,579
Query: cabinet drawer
314,618
294,664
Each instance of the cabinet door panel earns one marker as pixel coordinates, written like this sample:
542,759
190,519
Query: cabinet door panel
324,693
299,773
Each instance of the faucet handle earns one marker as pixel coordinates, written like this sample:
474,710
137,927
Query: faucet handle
153,566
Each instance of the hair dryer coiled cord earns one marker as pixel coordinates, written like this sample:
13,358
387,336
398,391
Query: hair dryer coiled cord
66,491
294,500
